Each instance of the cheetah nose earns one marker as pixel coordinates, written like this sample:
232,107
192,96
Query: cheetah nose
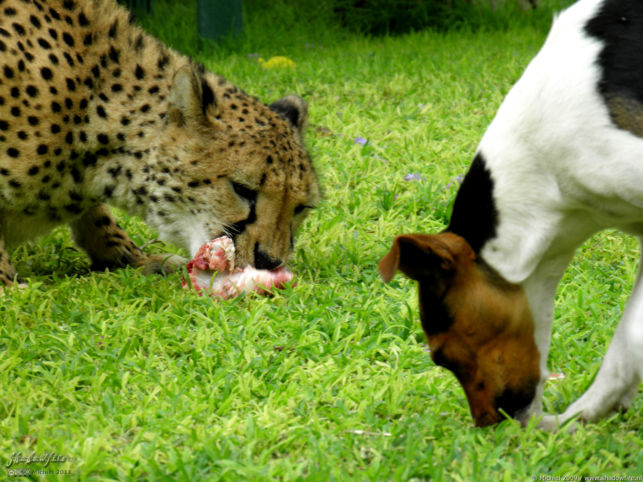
264,261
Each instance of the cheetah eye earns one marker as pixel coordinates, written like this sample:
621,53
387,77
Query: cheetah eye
244,192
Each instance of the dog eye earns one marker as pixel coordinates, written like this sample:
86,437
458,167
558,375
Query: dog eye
244,192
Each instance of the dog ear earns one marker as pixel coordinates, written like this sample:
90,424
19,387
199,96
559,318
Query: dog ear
418,256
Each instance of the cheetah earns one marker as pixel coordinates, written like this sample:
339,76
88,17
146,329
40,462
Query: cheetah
96,112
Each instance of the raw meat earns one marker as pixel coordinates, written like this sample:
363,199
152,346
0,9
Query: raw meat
212,270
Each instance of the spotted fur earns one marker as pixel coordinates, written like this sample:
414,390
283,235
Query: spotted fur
94,111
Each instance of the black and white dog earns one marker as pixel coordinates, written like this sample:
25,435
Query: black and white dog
562,159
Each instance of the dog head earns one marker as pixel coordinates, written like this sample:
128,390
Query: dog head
478,325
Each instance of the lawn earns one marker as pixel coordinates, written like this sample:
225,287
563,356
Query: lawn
131,377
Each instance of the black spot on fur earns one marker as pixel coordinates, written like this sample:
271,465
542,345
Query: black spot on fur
139,72
69,59
32,91
474,215
46,73
113,29
34,21
138,43
114,54
18,28
82,19
88,39
102,221
44,44
162,62
89,160
73,208
68,39
13,152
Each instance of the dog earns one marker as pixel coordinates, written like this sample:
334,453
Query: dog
562,159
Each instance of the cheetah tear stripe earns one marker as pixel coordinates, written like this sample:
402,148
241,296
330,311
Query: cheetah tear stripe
212,271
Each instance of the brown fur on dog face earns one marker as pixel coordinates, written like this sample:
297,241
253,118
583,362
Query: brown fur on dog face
478,325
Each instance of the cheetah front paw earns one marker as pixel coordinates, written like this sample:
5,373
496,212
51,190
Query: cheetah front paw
162,263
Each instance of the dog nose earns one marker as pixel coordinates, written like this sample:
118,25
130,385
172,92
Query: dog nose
264,261
515,401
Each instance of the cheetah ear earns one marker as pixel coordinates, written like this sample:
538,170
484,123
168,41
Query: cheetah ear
294,109
191,98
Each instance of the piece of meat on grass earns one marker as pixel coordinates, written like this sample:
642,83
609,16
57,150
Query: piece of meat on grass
212,271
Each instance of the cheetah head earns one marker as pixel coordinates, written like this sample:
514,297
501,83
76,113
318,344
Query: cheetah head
227,164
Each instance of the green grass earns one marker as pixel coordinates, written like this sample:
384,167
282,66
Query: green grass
134,378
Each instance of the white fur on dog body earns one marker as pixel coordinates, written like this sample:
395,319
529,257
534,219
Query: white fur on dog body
562,170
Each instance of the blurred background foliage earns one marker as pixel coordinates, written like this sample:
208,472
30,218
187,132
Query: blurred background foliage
280,21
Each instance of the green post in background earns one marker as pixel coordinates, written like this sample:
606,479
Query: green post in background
218,18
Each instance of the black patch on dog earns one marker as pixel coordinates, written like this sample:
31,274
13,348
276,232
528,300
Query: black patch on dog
474,215
619,26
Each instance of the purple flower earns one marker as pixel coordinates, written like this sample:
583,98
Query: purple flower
253,55
360,140
454,180
413,176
